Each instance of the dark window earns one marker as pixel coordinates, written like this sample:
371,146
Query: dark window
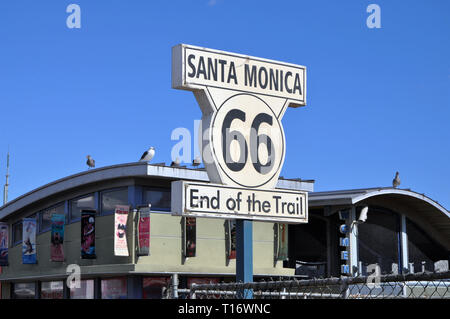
17,233
378,241
45,216
114,288
78,204
154,287
111,198
158,198
308,247
423,252
24,290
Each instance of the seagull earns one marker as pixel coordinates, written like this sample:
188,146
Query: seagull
148,155
197,161
396,181
90,161
175,163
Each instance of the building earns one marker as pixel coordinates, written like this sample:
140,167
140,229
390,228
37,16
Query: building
404,231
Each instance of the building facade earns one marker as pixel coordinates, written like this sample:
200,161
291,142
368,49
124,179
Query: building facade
401,231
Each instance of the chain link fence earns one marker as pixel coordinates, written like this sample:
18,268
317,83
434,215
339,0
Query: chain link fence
416,286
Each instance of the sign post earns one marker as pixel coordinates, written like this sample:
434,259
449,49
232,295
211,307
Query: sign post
243,100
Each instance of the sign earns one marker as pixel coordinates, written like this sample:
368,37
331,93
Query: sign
120,230
144,234
344,243
214,200
243,100
4,230
57,238
88,234
29,241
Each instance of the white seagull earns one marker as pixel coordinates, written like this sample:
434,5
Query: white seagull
90,161
148,155
197,161
396,181
175,163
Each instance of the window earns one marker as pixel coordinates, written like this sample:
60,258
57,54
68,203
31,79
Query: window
52,290
378,241
24,290
159,198
85,291
154,287
423,252
114,288
308,248
78,204
45,216
17,233
112,198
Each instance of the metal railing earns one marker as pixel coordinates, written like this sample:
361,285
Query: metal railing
418,286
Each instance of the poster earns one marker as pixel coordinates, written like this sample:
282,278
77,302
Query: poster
230,238
29,241
57,238
120,230
190,235
88,234
144,234
282,241
3,244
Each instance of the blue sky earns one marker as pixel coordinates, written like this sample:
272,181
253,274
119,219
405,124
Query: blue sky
378,99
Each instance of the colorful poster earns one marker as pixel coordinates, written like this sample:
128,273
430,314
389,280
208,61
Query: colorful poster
3,244
230,238
120,230
88,234
191,236
29,241
57,238
282,241
144,234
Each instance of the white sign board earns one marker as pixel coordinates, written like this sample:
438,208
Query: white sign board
243,100
219,201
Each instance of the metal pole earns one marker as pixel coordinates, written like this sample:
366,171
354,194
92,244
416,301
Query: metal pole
244,256
175,286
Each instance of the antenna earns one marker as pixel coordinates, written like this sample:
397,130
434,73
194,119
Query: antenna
5,189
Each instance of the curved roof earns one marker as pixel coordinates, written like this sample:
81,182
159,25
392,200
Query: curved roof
137,169
418,207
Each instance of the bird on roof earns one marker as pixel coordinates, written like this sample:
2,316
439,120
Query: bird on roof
148,155
175,163
197,161
90,161
396,181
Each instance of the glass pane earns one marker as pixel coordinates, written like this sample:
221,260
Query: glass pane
46,216
113,198
158,198
154,287
52,290
76,205
378,241
24,290
17,232
424,253
309,245
85,291
114,288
